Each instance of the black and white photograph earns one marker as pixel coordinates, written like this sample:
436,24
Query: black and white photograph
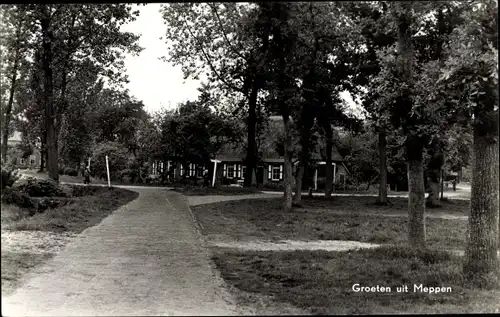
249,158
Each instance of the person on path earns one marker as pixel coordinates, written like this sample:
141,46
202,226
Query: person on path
86,175
205,178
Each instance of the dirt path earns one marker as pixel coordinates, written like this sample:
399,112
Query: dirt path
293,245
147,258
209,199
203,200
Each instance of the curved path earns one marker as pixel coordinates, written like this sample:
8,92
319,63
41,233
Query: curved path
147,258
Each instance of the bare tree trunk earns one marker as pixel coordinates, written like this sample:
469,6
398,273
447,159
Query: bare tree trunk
382,150
304,156
13,80
416,197
251,159
328,168
433,179
298,183
442,183
481,258
288,175
52,157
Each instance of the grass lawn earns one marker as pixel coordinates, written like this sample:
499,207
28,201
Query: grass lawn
224,191
321,282
317,220
39,235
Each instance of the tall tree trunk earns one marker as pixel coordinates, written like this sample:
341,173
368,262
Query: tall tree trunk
328,168
433,179
251,159
52,157
42,156
442,183
416,195
481,258
288,175
382,151
13,80
414,145
305,138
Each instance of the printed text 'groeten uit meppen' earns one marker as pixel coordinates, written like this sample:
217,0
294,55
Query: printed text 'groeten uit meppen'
416,288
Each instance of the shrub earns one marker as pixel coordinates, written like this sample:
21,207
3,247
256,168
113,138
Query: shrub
274,185
70,171
46,203
118,157
13,196
40,188
9,177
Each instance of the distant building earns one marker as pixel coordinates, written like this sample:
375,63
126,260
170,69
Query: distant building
15,153
229,164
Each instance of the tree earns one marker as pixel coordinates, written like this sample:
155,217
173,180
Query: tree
69,34
470,78
15,30
228,41
371,18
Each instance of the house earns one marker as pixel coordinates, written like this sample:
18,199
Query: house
15,153
316,173
228,167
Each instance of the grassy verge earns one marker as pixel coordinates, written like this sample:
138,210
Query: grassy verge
322,282
224,191
87,209
36,234
264,219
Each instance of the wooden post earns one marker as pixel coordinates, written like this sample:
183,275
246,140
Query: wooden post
215,172
442,183
316,178
107,170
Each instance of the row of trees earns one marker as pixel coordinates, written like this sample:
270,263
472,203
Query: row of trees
422,69
54,61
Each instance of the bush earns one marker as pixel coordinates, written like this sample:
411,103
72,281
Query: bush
274,185
118,157
70,171
46,203
9,177
13,196
39,188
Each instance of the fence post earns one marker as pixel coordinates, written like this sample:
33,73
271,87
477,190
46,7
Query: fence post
107,170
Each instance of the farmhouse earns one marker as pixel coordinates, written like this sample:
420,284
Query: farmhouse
229,164
20,157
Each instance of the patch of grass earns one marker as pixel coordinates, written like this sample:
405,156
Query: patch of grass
86,210
322,282
263,218
224,191
367,204
15,265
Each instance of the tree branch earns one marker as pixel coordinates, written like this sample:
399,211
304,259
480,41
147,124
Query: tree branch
207,58
225,35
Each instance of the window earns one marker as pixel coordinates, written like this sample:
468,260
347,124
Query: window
32,162
230,171
276,173
192,170
22,161
243,171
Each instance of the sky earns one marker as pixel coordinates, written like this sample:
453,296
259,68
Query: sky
157,83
